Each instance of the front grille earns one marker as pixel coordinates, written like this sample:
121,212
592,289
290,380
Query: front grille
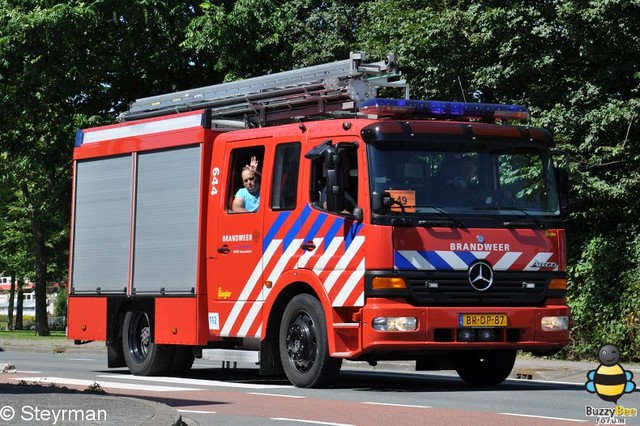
453,288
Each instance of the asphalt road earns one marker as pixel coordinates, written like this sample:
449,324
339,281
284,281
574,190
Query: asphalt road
387,394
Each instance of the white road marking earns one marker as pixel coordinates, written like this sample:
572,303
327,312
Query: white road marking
196,411
543,417
315,422
195,382
276,394
112,385
397,405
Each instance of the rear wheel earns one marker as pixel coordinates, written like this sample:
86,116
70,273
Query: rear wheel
303,343
485,368
142,356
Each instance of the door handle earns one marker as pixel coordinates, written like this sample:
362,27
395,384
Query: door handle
224,249
310,246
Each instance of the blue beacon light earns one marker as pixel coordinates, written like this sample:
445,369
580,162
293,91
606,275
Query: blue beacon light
443,109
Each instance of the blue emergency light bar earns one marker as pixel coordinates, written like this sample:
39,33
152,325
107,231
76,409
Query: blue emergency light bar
443,109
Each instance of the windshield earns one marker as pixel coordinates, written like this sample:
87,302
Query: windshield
488,178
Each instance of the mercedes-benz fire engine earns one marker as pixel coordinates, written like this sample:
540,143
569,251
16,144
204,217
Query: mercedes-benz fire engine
387,229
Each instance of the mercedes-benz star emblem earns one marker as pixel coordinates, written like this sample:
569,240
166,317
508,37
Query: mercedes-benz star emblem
480,275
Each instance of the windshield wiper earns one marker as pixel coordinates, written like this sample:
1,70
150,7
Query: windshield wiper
448,220
528,221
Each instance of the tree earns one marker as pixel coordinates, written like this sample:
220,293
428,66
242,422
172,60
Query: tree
64,66
271,36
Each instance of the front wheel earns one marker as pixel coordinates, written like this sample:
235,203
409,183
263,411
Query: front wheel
142,356
303,343
485,368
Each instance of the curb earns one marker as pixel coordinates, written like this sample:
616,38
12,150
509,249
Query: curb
50,346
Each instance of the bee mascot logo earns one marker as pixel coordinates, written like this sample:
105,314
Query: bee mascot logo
610,381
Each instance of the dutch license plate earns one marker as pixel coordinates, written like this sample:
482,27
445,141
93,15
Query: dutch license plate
482,320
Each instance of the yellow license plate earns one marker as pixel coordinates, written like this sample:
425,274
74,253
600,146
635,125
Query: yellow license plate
482,320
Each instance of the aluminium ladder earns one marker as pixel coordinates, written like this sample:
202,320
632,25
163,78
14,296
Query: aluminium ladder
278,97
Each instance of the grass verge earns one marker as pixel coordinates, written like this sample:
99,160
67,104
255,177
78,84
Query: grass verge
30,335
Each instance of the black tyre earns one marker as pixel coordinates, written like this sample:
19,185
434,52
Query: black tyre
304,349
181,361
142,356
485,368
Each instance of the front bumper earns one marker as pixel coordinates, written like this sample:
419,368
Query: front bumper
438,328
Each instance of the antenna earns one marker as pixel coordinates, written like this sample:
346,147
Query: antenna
464,98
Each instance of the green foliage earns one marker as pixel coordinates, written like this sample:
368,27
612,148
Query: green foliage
60,309
604,304
270,36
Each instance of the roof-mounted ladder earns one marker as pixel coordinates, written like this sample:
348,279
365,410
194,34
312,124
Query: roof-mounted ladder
272,98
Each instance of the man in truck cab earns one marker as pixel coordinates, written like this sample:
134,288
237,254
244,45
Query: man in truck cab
247,199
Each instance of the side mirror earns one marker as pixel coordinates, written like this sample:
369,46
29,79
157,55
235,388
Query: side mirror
387,200
376,201
335,195
381,201
562,178
358,214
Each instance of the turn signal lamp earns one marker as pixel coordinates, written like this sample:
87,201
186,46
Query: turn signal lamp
558,284
555,323
387,283
395,323
443,109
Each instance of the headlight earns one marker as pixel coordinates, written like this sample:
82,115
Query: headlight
395,323
555,323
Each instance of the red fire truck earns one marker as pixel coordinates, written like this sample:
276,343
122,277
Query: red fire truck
386,229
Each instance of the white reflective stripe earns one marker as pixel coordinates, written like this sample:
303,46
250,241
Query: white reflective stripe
481,254
360,301
248,321
506,261
277,270
416,259
248,288
155,126
284,259
343,263
348,287
324,259
302,261
259,332
453,260
540,257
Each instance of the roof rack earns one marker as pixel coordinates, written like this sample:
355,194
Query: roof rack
272,98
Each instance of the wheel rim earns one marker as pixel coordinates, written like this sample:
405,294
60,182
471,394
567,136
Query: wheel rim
139,336
301,342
